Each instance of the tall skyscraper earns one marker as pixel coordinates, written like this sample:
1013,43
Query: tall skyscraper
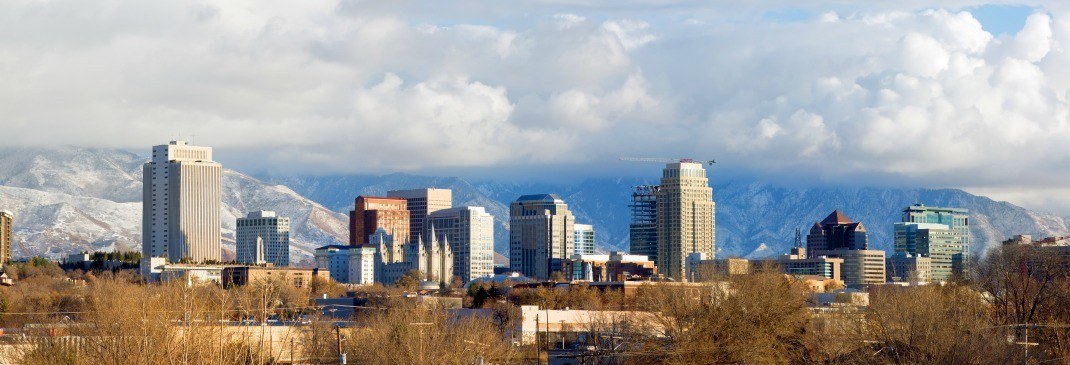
837,236
263,237
837,232
584,241
685,217
371,213
470,233
182,203
7,221
643,231
957,221
542,230
420,203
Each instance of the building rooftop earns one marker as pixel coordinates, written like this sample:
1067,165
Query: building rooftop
836,217
539,197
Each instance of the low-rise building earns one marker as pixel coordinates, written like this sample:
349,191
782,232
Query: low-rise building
798,263
245,275
860,267
348,264
616,266
699,267
157,269
906,268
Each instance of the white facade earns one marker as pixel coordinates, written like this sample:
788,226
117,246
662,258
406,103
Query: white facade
348,264
182,203
263,237
584,239
470,233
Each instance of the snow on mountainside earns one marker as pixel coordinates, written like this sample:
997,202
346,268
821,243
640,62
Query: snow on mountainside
753,219
71,199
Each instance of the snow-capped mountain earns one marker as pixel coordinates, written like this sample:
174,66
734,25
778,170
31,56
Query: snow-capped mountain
753,219
72,199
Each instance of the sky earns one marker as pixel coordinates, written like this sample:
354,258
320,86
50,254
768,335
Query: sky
964,94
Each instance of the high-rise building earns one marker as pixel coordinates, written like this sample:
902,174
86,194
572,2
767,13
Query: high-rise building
371,213
643,231
836,232
470,233
837,236
182,203
263,237
542,230
7,221
685,217
934,241
420,203
584,241
957,221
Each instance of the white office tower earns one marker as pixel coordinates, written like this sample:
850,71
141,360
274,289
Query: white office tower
421,203
685,222
541,235
182,203
584,239
470,233
263,237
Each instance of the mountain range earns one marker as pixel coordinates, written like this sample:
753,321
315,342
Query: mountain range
71,199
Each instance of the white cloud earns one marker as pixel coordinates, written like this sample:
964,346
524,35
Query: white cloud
918,93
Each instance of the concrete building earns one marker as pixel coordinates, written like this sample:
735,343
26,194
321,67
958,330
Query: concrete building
542,230
371,213
421,203
470,233
860,267
701,268
157,269
7,221
798,263
934,241
348,264
245,275
1045,252
182,204
956,219
584,239
836,232
262,237
685,217
906,268
643,230
616,266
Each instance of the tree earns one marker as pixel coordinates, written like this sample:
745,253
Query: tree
410,281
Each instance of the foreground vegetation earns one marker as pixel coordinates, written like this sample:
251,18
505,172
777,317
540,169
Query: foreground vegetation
1013,309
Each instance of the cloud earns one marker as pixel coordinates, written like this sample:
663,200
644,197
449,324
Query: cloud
914,92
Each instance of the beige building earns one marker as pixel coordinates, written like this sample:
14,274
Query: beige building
541,235
860,267
7,220
685,217
903,267
262,237
182,203
245,275
470,232
421,203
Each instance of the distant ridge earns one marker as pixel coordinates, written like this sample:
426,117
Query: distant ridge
70,199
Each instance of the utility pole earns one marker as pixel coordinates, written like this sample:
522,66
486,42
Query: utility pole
338,338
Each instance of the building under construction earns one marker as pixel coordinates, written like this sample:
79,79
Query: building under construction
644,229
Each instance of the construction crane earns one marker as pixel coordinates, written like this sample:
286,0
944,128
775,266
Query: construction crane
666,160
